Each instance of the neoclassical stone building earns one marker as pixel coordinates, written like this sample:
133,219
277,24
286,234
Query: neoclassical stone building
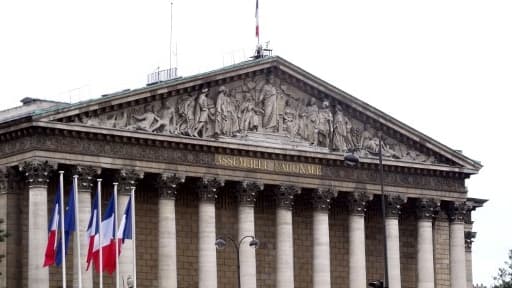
259,148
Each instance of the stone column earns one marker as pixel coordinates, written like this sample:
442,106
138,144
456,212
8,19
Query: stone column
321,250
393,205
284,236
37,173
457,212
207,188
3,225
167,263
85,184
246,201
425,210
357,254
468,242
127,178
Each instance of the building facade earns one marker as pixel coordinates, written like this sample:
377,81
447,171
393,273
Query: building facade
262,149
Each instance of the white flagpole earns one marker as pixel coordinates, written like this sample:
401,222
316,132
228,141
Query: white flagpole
115,235
134,239
77,228
99,233
62,237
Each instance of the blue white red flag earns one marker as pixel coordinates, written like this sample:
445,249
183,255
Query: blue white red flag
92,230
69,226
125,228
107,243
53,228
257,20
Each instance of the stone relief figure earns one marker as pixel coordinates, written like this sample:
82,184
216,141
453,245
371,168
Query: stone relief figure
185,123
223,114
324,127
202,111
268,97
311,121
145,121
290,117
249,114
167,122
341,129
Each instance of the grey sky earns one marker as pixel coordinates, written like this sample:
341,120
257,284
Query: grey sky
442,66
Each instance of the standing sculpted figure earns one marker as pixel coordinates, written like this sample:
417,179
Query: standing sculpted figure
223,113
341,131
202,113
311,121
324,127
290,119
185,123
249,114
269,98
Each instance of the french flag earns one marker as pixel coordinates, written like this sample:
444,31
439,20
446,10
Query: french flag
257,20
69,226
107,243
53,227
92,230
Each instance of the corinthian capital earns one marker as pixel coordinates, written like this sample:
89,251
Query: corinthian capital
247,192
208,187
86,176
285,194
393,205
167,185
357,202
322,198
426,208
128,178
4,179
37,172
457,211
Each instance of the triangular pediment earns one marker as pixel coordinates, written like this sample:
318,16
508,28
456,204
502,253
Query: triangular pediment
268,102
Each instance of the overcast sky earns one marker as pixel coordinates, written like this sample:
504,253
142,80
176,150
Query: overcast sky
443,67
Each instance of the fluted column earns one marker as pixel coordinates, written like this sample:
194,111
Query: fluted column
37,173
393,205
3,225
321,250
167,263
246,201
126,178
457,212
425,210
207,188
468,242
357,254
86,182
284,236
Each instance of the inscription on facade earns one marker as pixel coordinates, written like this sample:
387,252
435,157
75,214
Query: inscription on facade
268,165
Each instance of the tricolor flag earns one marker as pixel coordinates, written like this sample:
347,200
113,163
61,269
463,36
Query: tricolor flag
69,226
257,21
53,227
92,230
125,228
107,242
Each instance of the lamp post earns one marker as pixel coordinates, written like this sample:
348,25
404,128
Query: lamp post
351,160
220,243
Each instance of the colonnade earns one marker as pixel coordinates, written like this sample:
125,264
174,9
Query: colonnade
37,177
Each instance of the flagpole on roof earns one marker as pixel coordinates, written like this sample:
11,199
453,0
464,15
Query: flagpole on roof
134,238
115,233
99,234
77,225
62,228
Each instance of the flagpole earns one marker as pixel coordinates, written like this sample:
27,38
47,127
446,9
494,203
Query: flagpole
77,225
62,236
134,239
99,233
115,233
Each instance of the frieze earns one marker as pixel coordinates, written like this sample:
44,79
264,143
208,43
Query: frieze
136,150
263,104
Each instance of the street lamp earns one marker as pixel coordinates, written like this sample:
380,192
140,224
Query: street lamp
220,243
351,160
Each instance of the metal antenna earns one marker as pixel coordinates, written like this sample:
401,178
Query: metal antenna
170,52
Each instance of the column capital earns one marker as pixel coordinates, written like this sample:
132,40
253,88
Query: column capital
86,175
37,171
4,180
393,205
457,211
357,202
208,187
322,198
426,208
469,237
167,185
128,178
247,192
284,195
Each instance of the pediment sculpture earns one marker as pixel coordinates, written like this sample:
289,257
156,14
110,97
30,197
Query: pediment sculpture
265,105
